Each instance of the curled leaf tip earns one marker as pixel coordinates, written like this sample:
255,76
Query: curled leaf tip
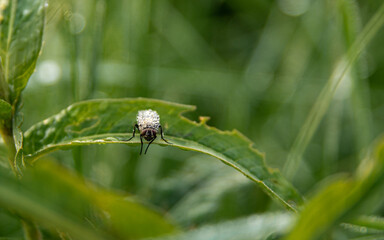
204,119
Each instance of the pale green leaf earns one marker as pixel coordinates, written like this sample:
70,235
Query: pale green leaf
365,227
112,120
216,198
21,31
5,110
256,227
372,222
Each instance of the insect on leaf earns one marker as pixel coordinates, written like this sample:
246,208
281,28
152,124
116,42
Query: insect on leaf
111,121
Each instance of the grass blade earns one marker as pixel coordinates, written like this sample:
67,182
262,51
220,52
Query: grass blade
322,103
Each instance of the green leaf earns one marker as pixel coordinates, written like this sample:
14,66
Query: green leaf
3,154
112,120
340,197
365,226
256,227
21,32
372,222
5,110
325,208
56,199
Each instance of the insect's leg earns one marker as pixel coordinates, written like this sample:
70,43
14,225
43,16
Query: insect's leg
162,136
149,144
141,148
134,128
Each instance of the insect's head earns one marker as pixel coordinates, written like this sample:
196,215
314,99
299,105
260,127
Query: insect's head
148,134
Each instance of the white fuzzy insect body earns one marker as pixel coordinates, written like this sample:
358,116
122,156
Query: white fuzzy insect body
148,124
148,119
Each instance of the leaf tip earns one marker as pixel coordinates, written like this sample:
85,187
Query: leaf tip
204,119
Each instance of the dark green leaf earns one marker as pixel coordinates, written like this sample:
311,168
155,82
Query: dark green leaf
56,199
5,110
21,31
3,155
112,120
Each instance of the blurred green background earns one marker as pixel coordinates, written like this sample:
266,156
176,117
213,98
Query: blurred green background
253,65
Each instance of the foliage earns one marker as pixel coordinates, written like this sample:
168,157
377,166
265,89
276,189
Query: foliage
340,196
22,24
68,171
107,121
42,195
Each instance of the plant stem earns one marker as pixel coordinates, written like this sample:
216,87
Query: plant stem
4,91
96,50
31,230
75,82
